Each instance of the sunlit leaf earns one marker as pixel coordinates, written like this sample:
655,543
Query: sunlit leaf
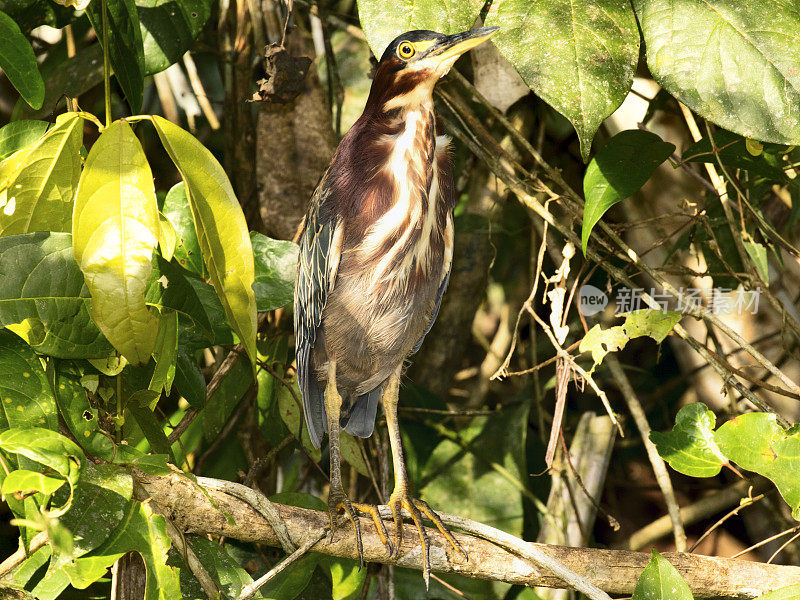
221,228
26,481
187,249
758,254
114,233
164,353
347,577
44,294
383,21
757,443
690,447
167,237
351,453
654,323
39,193
617,171
25,396
734,63
18,62
276,269
18,134
583,66
660,581
790,592
125,46
142,531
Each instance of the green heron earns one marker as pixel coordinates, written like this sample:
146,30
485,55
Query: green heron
375,256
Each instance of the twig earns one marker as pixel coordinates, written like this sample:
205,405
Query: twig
659,468
779,550
744,503
199,91
250,589
261,463
16,559
259,502
767,541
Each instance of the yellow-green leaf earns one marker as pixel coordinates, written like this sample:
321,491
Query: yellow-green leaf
167,237
221,228
37,184
115,230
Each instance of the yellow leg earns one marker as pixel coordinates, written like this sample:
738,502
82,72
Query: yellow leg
401,497
337,499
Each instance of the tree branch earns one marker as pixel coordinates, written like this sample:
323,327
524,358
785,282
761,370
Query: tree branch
613,571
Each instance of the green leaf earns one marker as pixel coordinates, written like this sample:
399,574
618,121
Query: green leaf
299,499
618,170
222,567
189,380
351,453
790,592
221,228
43,292
150,428
169,28
732,150
125,48
291,581
165,353
114,233
290,407
144,532
758,254
276,269
384,21
757,443
71,78
18,62
655,323
660,581
347,577
38,195
26,481
734,63
18,134
82,419
167,237
225,399
479,471
583,67
187,249
690,447
27,400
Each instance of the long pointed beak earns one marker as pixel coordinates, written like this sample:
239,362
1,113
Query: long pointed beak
457,44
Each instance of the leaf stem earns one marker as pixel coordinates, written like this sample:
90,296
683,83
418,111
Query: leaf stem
106,66
120,407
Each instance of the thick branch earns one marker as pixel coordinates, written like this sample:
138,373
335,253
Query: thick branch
614,571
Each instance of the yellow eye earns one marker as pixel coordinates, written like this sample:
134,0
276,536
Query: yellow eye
405,50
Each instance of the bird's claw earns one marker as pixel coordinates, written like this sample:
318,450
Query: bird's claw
339,502
417,508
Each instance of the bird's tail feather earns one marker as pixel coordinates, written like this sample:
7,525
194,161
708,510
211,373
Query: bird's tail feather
314,408
359,418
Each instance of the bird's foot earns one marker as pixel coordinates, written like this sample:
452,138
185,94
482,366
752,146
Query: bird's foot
372,511
401,499
339,502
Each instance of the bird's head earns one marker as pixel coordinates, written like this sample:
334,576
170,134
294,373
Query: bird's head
414,62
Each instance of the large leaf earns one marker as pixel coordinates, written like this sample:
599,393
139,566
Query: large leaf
579,57
618,170
757,443
41,182
19,63
690,447
735,63
27,400
276,269
18,134
384,21
114,233
142,531
125,46
43,292
480,471
222,567
169,28
660,581
221,228
733,152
